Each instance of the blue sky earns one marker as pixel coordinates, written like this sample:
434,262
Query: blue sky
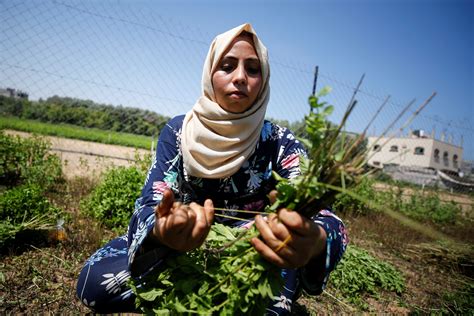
407,49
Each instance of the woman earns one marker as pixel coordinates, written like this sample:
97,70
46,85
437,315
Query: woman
222,154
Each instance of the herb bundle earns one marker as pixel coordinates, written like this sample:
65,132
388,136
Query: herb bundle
335,160
213,279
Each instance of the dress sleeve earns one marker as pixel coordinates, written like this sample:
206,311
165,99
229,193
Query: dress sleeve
315,274
161,175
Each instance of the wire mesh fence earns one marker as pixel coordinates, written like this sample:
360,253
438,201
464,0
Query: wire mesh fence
131,57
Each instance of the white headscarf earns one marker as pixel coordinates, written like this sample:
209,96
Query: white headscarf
215,142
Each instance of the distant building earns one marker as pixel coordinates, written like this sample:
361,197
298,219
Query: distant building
13,93
416,150
467,168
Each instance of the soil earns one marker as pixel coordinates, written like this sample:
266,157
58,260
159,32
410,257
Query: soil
83,158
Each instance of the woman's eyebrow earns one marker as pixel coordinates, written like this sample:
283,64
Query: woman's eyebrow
235,58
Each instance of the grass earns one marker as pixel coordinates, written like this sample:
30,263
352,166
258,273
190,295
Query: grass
76,132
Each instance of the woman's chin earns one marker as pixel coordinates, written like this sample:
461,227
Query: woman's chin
236,107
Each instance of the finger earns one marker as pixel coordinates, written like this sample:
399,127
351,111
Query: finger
166,202
296,222
278,227
272,196
177,221
266,232
165,226
268,254
178,232
209,211
201,225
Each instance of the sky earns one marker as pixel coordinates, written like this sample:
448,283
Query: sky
406,49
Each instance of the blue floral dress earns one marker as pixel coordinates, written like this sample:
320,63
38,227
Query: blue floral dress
102,284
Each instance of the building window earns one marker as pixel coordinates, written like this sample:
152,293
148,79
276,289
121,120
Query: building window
419,151
377,148
455,161
394,148
446,159
436,155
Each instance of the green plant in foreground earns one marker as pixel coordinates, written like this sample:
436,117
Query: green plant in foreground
234,280
111,202
25,207
359,273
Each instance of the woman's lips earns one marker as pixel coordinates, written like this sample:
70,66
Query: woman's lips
237,95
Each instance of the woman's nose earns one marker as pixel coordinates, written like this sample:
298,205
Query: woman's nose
240,76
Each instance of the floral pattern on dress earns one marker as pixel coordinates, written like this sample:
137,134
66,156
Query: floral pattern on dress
114,282
282,302
106,252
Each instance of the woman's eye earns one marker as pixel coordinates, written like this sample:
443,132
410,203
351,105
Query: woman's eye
253,70
227,67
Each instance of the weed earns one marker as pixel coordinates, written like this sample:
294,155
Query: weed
112,201
430,207
28,161
25,207
459,302
364,190
359,273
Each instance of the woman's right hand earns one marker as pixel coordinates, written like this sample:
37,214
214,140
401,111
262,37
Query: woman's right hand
182,227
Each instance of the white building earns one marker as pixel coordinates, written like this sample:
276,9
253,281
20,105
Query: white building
417,150
13,93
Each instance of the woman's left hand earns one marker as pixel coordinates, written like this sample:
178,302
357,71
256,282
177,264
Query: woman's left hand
288,239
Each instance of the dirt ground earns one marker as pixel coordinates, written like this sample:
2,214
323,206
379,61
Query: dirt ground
83,158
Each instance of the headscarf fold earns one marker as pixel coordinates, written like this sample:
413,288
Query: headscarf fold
215,142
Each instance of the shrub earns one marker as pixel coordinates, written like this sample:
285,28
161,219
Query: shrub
27,161
365,192
430,207
419,205
359,273
112,201
25,207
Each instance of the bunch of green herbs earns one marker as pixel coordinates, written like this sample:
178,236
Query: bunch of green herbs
212,279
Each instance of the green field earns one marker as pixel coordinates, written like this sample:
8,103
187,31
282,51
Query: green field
76,132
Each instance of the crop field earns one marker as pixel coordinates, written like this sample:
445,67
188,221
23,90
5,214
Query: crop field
75,132
388,267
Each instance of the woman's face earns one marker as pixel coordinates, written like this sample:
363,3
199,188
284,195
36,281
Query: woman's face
238,77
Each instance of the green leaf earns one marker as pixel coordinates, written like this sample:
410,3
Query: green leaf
313,102
151,295
324,91
328,110
338,157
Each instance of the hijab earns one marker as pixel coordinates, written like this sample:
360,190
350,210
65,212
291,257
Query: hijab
215,143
